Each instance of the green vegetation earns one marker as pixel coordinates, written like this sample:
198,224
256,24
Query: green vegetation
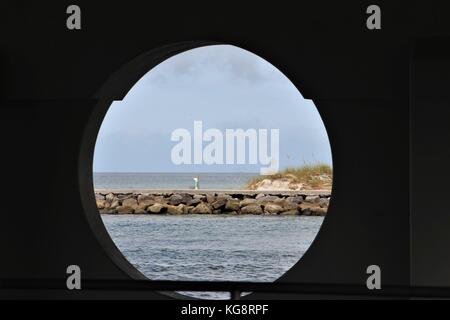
318,176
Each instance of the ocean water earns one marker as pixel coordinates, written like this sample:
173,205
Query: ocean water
234,181
199,247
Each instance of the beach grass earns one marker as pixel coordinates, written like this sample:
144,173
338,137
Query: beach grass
310,175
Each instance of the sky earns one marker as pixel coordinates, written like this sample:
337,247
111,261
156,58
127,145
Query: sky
223,86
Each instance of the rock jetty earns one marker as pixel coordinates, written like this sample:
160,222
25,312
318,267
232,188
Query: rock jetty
210,202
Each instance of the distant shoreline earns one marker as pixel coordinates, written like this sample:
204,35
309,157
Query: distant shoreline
171,180
203,191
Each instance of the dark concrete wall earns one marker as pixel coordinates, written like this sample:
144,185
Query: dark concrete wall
56,85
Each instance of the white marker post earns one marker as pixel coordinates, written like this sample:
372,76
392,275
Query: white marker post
196,183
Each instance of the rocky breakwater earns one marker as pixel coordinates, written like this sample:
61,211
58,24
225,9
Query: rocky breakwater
176,203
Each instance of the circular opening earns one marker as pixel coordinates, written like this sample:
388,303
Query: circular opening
213,167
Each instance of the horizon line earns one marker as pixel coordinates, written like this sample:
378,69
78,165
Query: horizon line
195,172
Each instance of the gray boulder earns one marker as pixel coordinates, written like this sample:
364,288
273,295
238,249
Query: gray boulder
266,199
246,202
220,202
252,209
114,204
193,201
145,200
296,199
323,202
210,198
175,199
187,209
155,208
161,199
125,210
312,209
199,197
318,211
202,208
99,196
285,205
123,196
129,202
102,204
312,199
139,210
110,197
175,209
272,208
232,205
186,198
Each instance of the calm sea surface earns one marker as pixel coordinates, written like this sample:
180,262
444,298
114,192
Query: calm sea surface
191,247
171,180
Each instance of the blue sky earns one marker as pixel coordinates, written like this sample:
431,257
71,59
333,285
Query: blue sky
223,86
